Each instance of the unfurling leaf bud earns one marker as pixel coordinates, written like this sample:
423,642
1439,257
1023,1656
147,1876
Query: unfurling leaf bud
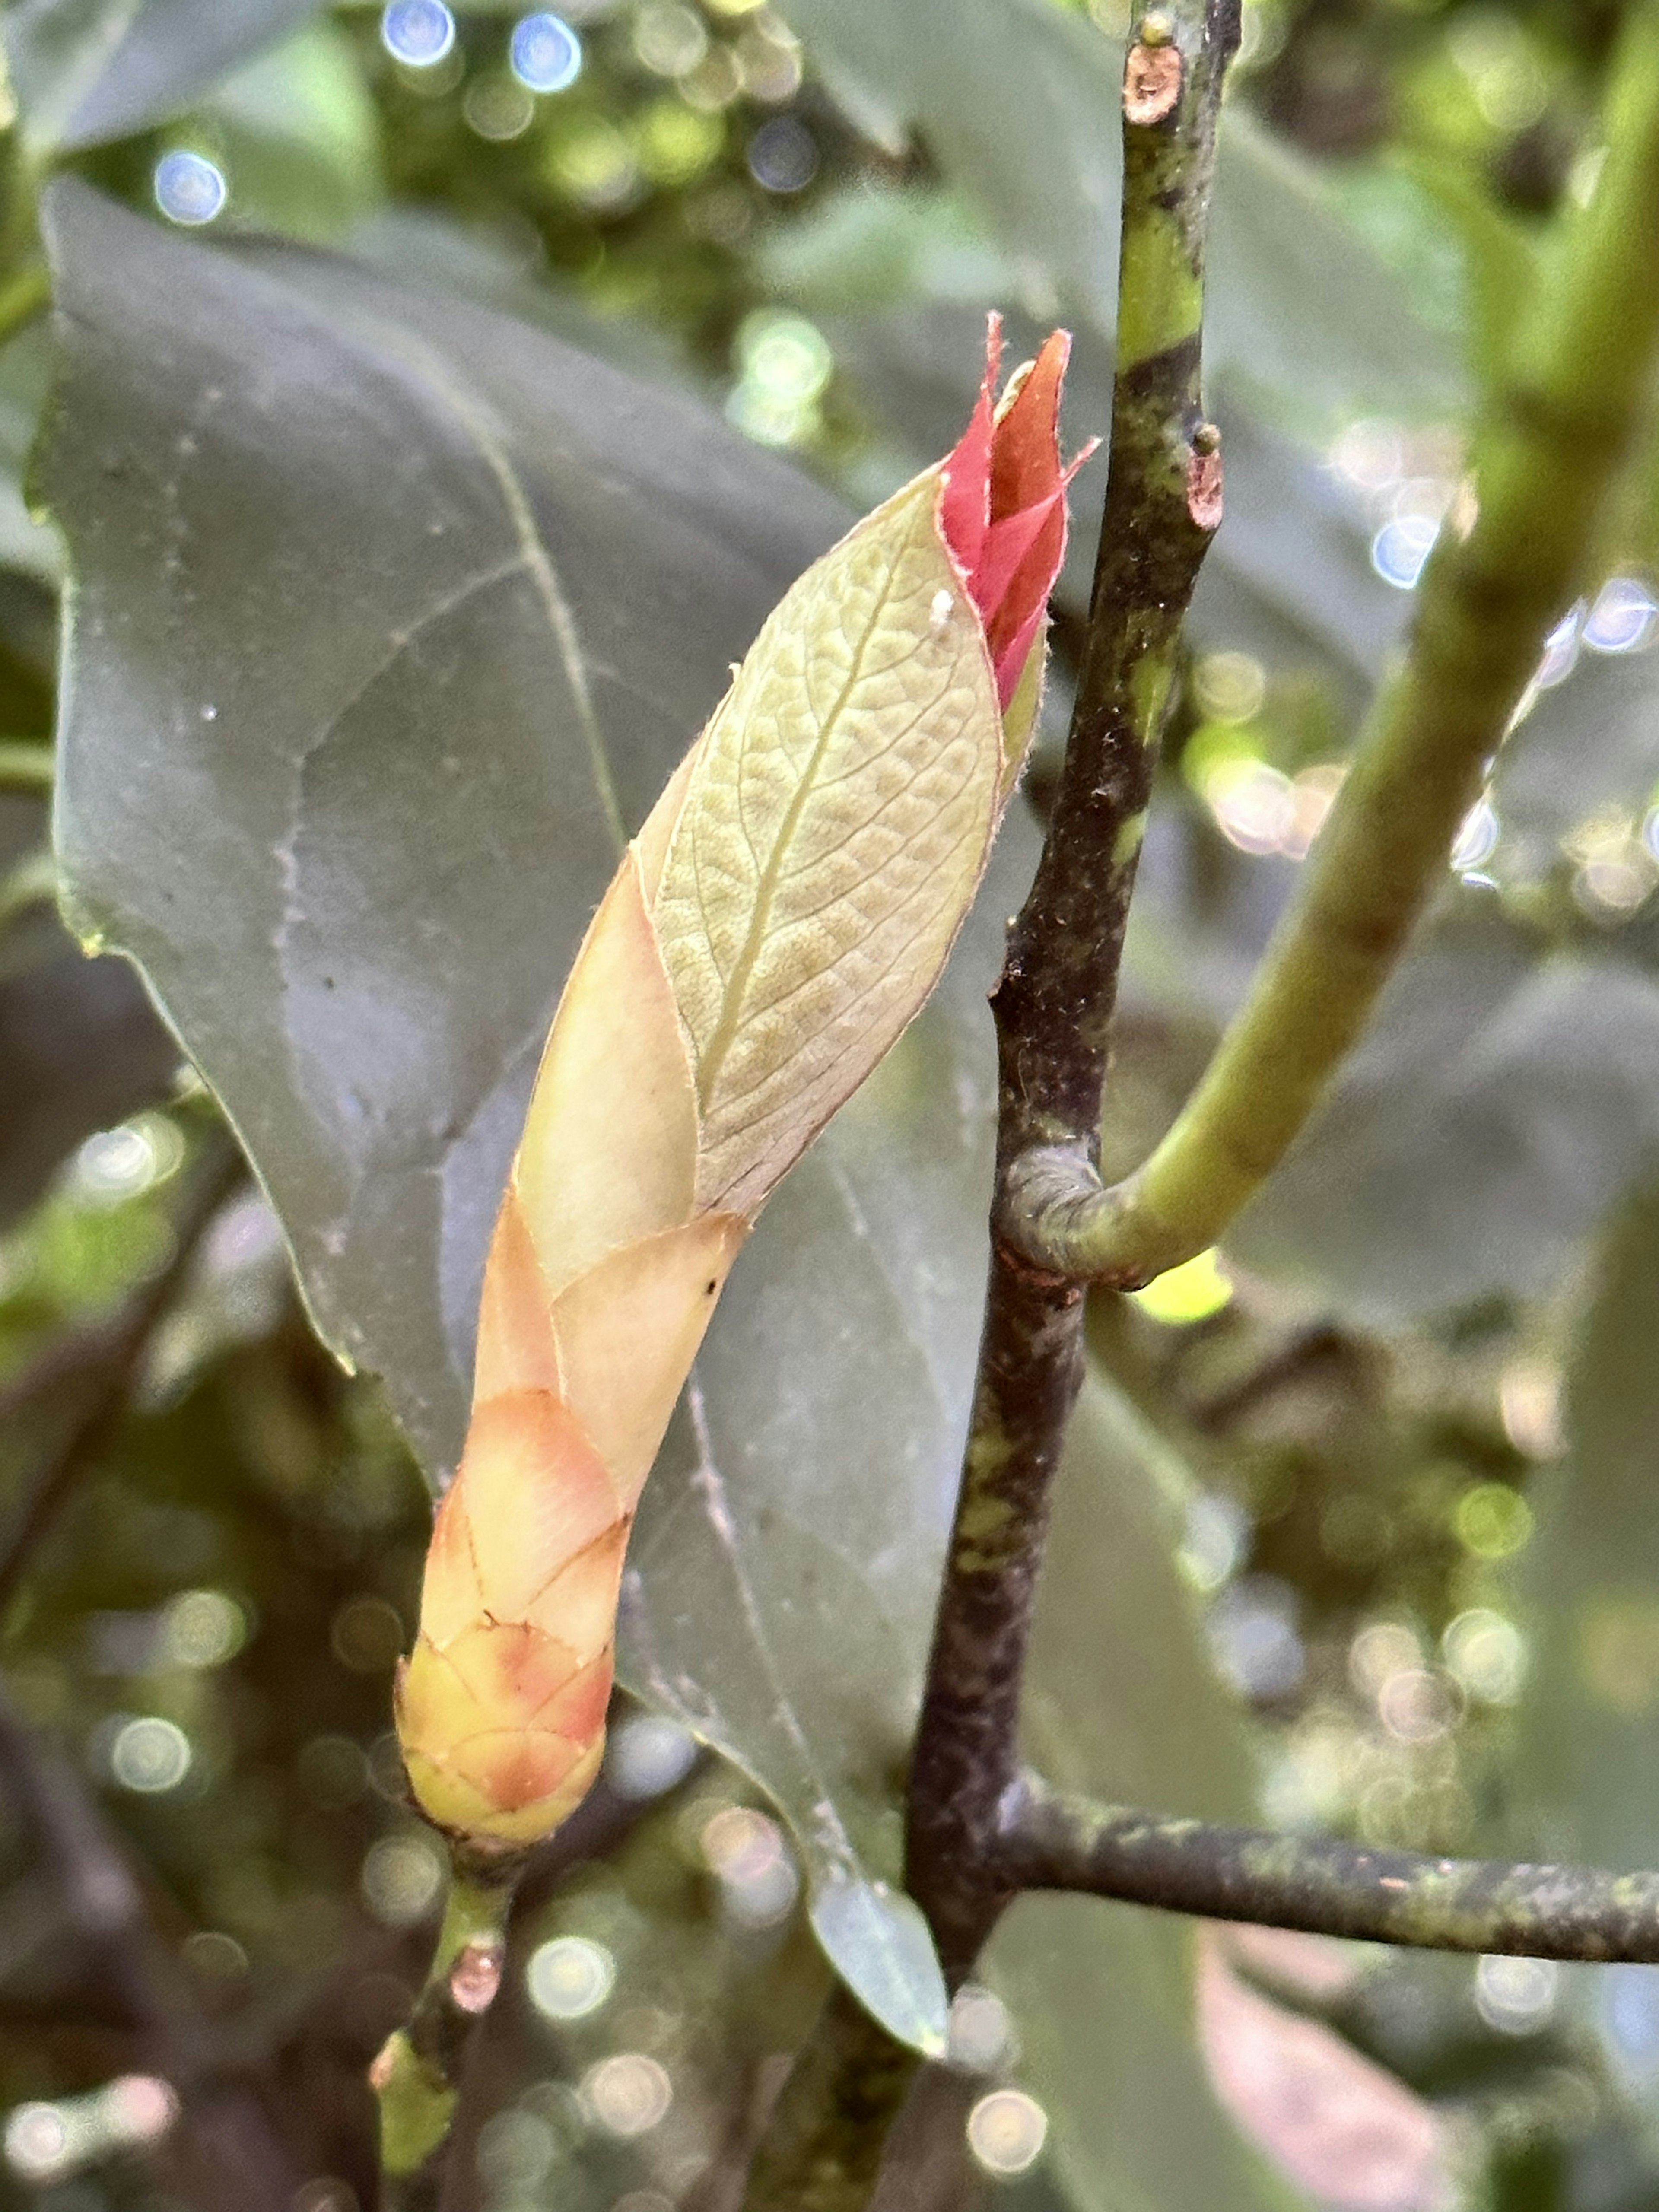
784,913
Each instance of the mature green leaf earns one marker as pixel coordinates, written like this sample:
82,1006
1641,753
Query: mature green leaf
1590,1724
1304,315
1495,1108
1015,101
299,138
1581,1774
865,247
1018,103
87,71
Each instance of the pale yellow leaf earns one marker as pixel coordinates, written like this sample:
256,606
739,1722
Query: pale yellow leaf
834,829
610,1144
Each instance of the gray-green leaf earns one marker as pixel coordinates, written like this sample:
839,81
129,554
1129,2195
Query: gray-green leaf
87,71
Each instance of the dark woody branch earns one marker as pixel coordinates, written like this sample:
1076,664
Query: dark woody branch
1054,1002
1326,1888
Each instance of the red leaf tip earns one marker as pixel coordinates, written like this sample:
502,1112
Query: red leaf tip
1002,510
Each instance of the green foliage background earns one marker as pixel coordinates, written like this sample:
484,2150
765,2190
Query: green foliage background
409,514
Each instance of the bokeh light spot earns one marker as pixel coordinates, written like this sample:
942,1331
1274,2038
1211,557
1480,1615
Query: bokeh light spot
418,32
595,164
1253,1635
1493,1521
768,63
366,1635
114,1166
1516,1996
149,1755
37,2142
516,2155
629,2095
1416,1705
544,53
202,1629
1229,687
569,1978
1007,2131
1382,1649
981,2034
139,2108
746,1849
402,1877
214,1955
1253,804
648,1754
1622,618
1401,549
498,108
189,188
669,38
1487,1653
783,155
676,142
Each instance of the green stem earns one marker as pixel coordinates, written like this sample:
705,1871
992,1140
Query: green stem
417,2073
25,768
1547,453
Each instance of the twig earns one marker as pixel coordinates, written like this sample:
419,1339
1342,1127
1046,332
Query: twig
1515,549
419,2076
1327,1887
112,1355
1053,1004
417,2073
25,767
